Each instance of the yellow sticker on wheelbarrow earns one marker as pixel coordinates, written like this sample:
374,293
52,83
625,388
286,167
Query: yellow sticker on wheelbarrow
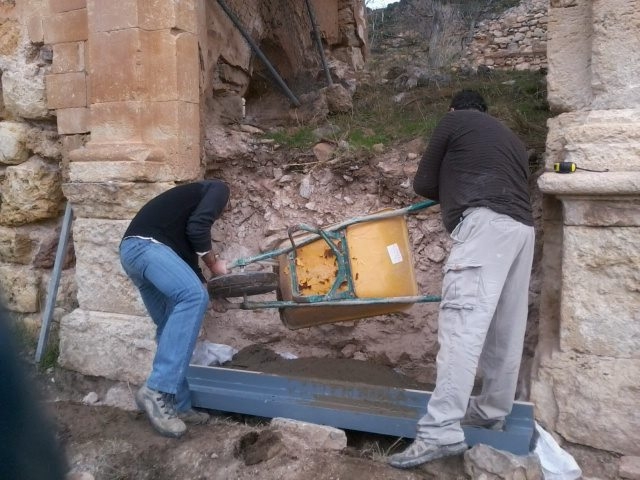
394,253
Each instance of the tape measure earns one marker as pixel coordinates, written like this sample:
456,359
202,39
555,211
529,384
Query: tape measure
570,167
564,167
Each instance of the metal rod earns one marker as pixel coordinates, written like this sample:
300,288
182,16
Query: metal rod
316,35
54,281
250,305
259,53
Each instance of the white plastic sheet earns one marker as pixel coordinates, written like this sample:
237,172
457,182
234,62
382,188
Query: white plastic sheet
210,354
557,464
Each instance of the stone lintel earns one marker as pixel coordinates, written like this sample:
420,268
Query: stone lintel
118,347
590,183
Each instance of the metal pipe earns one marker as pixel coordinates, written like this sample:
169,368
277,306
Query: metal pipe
259,53
54,281
316,35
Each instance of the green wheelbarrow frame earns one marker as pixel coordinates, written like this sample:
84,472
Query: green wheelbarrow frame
334,236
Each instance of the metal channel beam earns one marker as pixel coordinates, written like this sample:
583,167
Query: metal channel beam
353,406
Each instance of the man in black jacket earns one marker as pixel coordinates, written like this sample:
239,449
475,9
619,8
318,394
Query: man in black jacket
477,169
159,252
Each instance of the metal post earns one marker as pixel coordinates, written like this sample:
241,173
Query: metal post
54,281
259,53
316,34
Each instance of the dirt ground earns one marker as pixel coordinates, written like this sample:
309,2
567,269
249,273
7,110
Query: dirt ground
112,443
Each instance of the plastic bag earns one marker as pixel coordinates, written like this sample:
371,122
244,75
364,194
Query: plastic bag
209,354
557,464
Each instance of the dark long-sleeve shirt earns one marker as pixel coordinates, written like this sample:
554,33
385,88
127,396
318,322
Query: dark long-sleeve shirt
473,160
182,217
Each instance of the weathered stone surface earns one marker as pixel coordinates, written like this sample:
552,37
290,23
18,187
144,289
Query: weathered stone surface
13,138
174,126
487,463
30,244
172,67
66,90
630,468
589,399
595,140
615,53
118,347
602,211
223,146
338,99
570,31
590,183
73,120
68,57
19,284
70,26
111,200
23,92
309,436
66,296
120,171
58,6
102,284
600,312
30,192
9,36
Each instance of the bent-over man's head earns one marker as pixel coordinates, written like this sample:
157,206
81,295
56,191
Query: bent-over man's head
468,100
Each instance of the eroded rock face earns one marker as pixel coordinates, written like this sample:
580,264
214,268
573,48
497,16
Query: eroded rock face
31,191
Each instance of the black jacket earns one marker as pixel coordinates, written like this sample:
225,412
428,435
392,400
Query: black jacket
473,160
182,217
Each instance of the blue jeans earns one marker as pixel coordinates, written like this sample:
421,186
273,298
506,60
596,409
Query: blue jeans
176,300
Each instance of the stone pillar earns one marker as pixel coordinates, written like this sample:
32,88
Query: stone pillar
586,386
143,100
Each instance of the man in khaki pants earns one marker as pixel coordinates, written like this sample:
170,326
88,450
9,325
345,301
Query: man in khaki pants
478,170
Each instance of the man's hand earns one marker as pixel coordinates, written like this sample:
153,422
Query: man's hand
216,265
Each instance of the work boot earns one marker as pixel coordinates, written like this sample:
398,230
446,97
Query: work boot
420,452
161,411
496,424
194,417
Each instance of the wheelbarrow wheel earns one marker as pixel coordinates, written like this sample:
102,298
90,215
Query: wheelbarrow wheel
240,284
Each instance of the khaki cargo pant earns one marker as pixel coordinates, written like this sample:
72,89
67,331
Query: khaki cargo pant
482,322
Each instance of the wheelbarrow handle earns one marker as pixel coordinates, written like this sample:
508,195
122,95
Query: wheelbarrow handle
241,262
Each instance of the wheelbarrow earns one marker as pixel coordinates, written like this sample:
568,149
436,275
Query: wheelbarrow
362,267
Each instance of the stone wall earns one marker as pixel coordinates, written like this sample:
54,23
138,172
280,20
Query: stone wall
32,169
585,385
513,40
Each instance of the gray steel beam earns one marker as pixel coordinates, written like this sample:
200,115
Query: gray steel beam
353,406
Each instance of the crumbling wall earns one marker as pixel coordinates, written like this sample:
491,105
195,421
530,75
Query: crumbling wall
513,40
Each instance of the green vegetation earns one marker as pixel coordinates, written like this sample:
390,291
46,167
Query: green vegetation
27,341
301,137
380,115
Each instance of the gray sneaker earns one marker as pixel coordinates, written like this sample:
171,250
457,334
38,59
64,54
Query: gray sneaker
496,424
420,452
161,411
194,417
